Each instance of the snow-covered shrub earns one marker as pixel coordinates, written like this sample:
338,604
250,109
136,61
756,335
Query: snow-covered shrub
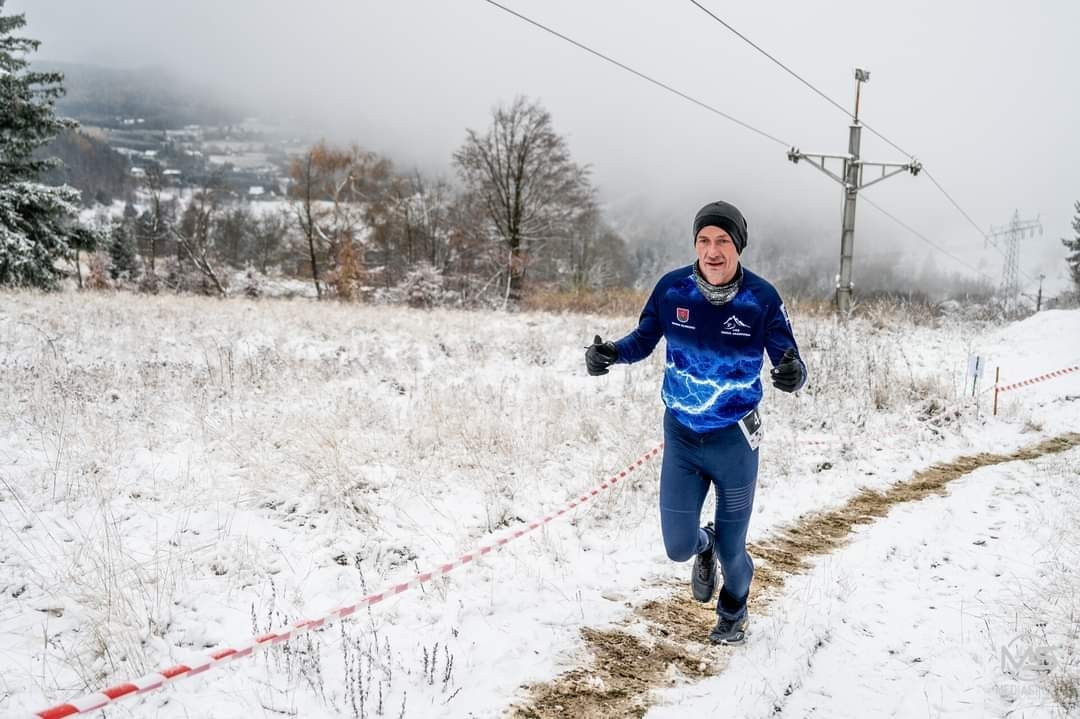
422,287
185,277
97,272
344,280
252,285
150,282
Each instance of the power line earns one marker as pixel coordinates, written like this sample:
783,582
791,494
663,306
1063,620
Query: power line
978,229
986,236
924,238
959,208
799,77
759,131
847,112
642,75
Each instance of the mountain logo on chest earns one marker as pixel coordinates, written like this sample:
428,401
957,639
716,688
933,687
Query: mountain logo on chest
734,326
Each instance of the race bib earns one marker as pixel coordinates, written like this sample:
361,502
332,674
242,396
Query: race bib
751,428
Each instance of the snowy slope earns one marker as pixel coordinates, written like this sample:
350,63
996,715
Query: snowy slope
913,617
180,473
948,606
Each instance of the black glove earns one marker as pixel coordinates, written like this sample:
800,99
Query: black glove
599,356
790,373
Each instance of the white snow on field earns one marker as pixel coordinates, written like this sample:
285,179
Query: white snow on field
179,474
946,607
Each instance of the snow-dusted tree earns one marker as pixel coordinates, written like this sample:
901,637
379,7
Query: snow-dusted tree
84,239
595,254
195,235
427,211
270,232
37,222
235,235
474,264
408,222
153,225
310,175
124,262
329,190
1073,245
422,286
531,190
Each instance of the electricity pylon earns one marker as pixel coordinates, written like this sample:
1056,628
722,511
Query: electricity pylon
851,178
1010,270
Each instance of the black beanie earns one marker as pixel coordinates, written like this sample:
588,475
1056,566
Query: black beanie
725,216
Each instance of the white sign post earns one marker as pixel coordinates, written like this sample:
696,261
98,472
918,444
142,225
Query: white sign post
975,367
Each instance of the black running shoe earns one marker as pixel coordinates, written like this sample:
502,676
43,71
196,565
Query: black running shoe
729,632
703,578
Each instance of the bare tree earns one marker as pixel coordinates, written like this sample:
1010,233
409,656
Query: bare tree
595,254
530,189
195,232
310,175
474,263
409,219
330,189
155,225
427,213
270,232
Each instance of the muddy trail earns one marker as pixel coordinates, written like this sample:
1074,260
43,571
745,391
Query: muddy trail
621,665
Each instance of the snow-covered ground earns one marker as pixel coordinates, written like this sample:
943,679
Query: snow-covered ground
181,473
963,605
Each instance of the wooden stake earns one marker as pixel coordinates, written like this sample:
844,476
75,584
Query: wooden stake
997,381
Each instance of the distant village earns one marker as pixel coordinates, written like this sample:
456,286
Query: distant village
250,158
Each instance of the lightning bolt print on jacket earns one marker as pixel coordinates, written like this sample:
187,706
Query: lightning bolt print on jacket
714,353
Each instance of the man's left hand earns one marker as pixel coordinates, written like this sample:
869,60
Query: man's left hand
790,373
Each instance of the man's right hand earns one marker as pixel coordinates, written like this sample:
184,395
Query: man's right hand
599,356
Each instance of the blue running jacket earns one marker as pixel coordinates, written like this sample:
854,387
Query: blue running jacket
714,353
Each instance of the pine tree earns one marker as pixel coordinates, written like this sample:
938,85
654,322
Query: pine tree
37,222
124,264
1073,245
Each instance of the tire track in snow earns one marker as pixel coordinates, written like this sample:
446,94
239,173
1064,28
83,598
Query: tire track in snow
661,642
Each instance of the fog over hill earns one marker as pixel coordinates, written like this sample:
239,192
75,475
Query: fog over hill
407,79
165,99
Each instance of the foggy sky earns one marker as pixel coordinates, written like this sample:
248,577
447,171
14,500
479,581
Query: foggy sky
983,93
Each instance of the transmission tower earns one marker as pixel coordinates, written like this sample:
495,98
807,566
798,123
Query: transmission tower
1011,234
851,177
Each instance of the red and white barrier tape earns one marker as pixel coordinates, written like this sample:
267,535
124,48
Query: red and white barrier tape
155,680
1040,378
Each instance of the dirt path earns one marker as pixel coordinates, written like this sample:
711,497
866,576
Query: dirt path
622,665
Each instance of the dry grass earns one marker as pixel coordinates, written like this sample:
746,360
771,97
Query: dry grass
140,435
614,301
880,311
624,667
311,415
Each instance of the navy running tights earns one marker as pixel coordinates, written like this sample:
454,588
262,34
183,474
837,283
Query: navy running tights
692,463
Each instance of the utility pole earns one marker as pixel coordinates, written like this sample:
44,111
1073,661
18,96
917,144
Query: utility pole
1038,301
1010,270
851,178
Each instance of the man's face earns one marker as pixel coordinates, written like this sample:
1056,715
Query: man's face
716,254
